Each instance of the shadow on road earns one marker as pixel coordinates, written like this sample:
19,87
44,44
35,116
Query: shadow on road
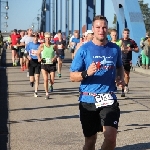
139,146
4,131
46,119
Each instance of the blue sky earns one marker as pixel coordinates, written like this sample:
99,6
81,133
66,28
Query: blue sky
22,13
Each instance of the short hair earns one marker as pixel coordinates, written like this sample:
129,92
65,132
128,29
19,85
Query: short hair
126,29
59,31
76,31
99,17
35,35
47,34
113,30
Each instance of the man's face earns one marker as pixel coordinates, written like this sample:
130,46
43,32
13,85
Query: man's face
30,32
42,33
90,36
22,33
126,34
76,35
100,29
113,35
15,32
59,35
35,39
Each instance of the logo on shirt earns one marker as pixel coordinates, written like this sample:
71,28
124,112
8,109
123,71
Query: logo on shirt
104,62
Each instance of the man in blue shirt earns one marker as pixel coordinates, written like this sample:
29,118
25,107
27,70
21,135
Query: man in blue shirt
98,65
34,65
74,41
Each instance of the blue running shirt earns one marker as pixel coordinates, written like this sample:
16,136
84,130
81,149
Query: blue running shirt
32,49
107,58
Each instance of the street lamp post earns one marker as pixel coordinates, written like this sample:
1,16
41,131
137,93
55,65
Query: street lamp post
6,17
32,27
5,24
6,7
38,19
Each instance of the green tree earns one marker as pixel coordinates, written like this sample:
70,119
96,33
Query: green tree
115,21
146,13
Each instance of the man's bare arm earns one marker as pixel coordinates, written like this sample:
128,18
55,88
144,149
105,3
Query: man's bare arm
79,76
120,72
135,49
76,76
40,49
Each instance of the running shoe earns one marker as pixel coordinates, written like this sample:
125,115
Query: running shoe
47,97
31,84
59,75
50,88
35,94
14,64
122,94
126,89
27,73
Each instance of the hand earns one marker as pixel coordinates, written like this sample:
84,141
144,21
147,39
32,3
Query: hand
92,69
54,59
124,49
129,48
29,57
39,59
120,82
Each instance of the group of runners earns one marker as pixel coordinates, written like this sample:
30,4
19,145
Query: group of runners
38,52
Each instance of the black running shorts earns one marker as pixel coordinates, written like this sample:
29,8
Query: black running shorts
34,67
127,67
13,48
93,119
49,67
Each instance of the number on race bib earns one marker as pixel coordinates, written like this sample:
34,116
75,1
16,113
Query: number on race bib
102,100
49,61
22,50
34,52
15,46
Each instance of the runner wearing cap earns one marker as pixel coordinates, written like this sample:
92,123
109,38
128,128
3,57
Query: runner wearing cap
47,56
88,37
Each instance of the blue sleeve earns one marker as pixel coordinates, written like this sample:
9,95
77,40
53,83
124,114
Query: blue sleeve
119,59
78,63
72,40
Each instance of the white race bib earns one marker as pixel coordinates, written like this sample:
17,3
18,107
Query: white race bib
25,51
102,100
34,52
22,50
15,46
49,61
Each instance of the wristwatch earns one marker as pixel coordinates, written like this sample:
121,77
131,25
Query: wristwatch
84,74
